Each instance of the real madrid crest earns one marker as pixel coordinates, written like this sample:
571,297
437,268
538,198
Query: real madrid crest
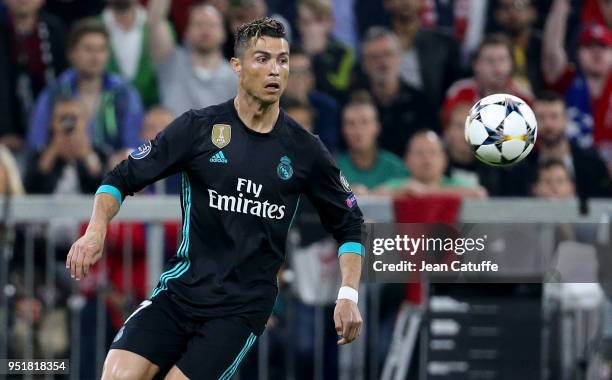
284,169
221,135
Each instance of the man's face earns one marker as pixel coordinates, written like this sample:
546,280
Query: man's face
381,59
554,182
493,68
21,8
406,9
90,55
360,127
552,122
455,134
312,26
263,68
205,31
595,60
154,122
515,16
301,79
426,158
303,116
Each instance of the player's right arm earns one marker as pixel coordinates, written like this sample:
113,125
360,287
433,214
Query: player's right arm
167,154
88,249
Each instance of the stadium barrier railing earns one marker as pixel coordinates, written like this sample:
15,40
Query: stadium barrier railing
32,217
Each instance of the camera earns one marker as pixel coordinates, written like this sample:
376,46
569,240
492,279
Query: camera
68,123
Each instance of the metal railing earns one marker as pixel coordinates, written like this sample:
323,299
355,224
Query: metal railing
30,217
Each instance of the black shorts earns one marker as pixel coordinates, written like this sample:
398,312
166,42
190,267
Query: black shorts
211,349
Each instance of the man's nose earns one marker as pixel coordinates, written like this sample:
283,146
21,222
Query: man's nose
275,69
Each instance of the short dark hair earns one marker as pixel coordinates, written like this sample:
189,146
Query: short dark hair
550,164
361,98
494,40
83,27
255,30
549,96
424,132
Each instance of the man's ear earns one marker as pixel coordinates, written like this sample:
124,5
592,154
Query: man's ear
236,65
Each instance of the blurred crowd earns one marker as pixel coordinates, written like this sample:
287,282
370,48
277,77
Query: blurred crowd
386,84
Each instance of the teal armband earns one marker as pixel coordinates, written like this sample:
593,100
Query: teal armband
351,247
112,190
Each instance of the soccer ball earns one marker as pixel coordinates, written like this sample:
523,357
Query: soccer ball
501,129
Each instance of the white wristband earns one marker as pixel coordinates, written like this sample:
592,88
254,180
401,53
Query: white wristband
348,293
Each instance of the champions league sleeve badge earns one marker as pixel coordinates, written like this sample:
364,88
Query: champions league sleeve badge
345,183
142,151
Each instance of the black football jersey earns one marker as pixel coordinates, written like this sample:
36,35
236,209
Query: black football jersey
240,192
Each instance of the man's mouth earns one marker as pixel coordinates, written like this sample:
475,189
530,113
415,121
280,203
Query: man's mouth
272,87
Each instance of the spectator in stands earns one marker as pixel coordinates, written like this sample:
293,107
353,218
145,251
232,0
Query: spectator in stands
69,164
402,108
422,47
426,161
554,181
301,112
34,57
461,160
365,165
125,21
517,19
111,106
197,75
588,89
301,88
584,165
332,60
244,11
10,179
179,13
493,70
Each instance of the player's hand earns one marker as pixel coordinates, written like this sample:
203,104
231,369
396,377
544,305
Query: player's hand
84,253
347,320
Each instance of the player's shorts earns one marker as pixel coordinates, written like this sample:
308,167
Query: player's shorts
211,349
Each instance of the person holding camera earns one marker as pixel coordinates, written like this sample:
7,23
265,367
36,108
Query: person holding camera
69,164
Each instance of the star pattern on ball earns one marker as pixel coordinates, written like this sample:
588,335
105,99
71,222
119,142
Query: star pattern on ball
512,106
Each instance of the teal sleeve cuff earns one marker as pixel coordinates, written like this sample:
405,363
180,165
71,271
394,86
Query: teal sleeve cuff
112,190
351,247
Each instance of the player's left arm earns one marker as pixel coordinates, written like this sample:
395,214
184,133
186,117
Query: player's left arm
331,195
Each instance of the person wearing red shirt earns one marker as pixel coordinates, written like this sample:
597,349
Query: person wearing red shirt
587,87
493,71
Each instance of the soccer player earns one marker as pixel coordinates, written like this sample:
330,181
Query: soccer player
244,164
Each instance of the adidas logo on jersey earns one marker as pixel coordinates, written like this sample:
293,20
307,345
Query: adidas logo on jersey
219,157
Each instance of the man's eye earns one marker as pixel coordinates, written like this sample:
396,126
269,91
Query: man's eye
261,59
284,61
